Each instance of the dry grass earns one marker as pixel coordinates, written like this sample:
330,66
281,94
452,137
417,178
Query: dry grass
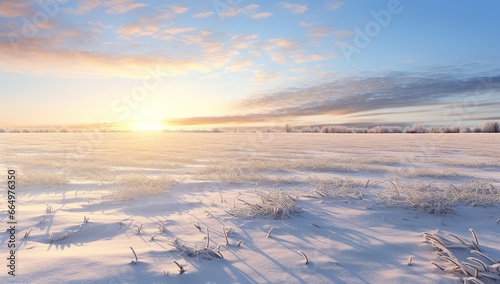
336,187
440,198
44,178
275,203
425,172
195,251
133,186
464,257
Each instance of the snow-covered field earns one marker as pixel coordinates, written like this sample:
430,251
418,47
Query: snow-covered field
355,205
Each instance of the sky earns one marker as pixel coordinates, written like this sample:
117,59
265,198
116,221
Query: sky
225,63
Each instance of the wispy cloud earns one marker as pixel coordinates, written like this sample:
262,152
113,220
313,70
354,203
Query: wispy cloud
264,75
293,7
14,8
243,41
203,15
281,43
85,6
176,31
233,119
252,8
51,54
178,8
357,95
122,6
140,27
334,5
320,31
262,15
302,57
344,33
151,24
231,12
239,65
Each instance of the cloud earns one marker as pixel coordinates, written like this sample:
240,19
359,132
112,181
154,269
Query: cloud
239,65
231,12
262,15
140,27
293,8
357,95
87,63
204,15
87,5
323,31
334,5
279,58
234,119
243,41
122,6
176,31
302,58
344,33
173,33
151,24
252,8
15,8
280,43
284,51
178,9
52,54
264,75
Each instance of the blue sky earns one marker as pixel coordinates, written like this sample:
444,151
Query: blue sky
238,62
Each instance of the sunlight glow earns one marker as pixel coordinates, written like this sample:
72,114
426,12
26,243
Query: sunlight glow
147,126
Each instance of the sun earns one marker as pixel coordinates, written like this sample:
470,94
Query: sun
147,126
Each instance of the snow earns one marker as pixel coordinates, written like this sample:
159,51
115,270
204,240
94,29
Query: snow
125,181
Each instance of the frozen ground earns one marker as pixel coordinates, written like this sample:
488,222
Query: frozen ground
365,201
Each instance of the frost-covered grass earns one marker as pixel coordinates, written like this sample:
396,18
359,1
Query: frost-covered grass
133,186
425,172
195,251
465,257
36,177
275,203
440,198
337,187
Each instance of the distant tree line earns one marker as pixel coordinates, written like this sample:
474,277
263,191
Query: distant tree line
488,127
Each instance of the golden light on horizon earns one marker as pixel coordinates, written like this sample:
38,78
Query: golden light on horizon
147,126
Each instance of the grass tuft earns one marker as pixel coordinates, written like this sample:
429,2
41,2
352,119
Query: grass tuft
194,251
440,198
275,203
452,251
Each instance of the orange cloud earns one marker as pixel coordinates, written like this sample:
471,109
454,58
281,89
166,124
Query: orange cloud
87,5
14,8
293,8
262,15
203,15
239,65
140,27
39,56
122,6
